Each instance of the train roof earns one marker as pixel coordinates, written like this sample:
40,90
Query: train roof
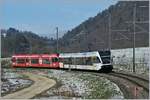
83,54
35,55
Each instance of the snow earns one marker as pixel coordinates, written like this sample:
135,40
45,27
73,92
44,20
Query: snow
123,59
69,81
13,81
14,84
74,86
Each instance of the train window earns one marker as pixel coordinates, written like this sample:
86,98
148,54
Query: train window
45,61
69,60
66,61
83,61
78,61
34,61
20,61
74,61
55,59
104,53
88,61
96,60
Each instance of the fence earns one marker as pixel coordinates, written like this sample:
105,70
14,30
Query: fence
126,64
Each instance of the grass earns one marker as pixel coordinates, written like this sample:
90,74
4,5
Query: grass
5,63
99,88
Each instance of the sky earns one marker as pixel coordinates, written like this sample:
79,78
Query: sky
43,16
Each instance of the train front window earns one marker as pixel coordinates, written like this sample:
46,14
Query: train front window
34,61
55,59
46,61
20,61
105,59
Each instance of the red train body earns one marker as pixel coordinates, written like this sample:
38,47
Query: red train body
35,60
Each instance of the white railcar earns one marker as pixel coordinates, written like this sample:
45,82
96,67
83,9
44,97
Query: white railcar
96,60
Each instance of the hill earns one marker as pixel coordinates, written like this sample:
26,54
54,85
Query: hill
90,35
14,41
93,34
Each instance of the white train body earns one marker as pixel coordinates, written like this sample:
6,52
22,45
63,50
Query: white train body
86,61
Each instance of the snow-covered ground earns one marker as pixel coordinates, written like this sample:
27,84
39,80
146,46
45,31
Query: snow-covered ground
14,84
81,85
70,84
12,81
123,59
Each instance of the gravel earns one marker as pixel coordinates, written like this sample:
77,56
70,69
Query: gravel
80,85
14,84
70,85
12,81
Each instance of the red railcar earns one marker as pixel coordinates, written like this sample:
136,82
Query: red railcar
35,60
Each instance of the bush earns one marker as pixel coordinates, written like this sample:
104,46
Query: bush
5,63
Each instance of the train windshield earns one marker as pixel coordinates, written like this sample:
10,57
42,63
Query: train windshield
105,56
105,59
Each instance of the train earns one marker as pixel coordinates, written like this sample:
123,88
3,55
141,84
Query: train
95,60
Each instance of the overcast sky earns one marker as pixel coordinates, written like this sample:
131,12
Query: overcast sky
42,16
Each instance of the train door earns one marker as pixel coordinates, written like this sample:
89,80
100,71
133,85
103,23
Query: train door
27,62
13,60
55,62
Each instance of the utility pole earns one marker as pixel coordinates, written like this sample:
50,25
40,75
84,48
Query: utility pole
134,30
109,25
57,38
109,31
134,19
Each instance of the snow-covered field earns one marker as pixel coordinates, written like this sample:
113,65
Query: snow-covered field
70,84
12,81
80,85
123,59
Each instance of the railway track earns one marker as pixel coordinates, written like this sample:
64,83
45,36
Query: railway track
137,80
141,82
